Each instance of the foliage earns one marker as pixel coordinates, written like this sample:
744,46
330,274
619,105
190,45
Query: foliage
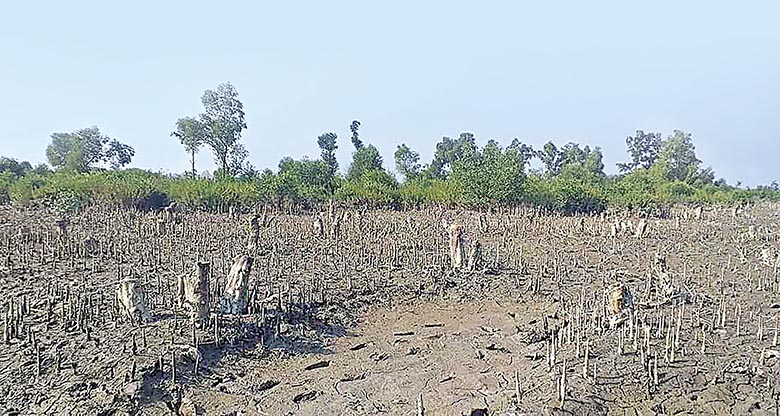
556,160
677,159
192,134
407,162
219,126
490,176
365,159
328,146
643,148
573,181
373,187
303,180
449,152
353,127
81,150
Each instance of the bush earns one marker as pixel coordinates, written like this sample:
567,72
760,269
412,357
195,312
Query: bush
302,183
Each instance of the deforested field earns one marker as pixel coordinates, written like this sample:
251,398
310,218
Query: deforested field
352,312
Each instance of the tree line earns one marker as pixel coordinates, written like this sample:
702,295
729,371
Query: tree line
86,166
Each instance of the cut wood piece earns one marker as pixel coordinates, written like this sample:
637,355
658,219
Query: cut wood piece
193,293
236,295
132,299
456,246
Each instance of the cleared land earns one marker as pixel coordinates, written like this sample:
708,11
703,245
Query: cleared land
361,313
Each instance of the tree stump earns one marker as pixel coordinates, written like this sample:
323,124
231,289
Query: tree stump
254,238
641,228
62,227
193,293
170,211
319,225
456,246
131,296
621,303
236,293
475,255
161,226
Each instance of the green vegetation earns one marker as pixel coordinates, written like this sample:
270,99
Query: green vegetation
571,180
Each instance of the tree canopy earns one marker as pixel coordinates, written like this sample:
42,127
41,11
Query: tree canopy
219,126
84,149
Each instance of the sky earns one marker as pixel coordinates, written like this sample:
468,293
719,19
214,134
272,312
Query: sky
411,71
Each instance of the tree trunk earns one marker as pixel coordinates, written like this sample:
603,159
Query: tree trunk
192,160
223,162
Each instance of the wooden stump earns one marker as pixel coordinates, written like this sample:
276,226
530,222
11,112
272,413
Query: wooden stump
131,296
254,238
621,304
319,225
62,227
193,293
475,255
170,213
237,286
641,228
456,246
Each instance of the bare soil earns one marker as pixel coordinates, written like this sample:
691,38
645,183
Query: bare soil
371,319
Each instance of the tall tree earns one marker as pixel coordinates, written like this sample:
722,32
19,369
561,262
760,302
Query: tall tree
191,133
550,158
223,120
492,175
407,161
643,148
524,150
365,158
571,158
328,146
594,161
677,160
448,152
355,136
303,179
83,149
118,154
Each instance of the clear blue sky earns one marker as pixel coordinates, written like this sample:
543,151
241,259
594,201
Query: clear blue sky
411,71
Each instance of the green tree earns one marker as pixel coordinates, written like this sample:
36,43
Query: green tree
118,154
571,156
550,158
407,162
83,149
328,146
305,179
355,136
14,168
219,127
492,175
677,159
191,133
594,161
643,148
448,152
365,159
526,151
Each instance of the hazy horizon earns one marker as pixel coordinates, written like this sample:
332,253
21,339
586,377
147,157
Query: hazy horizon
411,73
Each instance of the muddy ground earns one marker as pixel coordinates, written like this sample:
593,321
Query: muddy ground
364,315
